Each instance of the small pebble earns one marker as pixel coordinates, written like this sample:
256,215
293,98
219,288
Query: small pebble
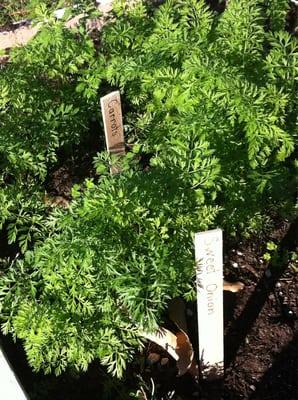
235,265
239,253
261,261
288,313
252,387
278,285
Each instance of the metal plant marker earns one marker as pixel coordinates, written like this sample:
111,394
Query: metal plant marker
209,274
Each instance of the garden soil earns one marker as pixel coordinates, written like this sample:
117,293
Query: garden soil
261,341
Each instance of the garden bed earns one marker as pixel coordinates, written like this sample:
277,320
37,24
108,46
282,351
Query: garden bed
89,260
261,357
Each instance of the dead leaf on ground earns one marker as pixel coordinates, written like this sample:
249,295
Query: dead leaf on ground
186,361
233,287
105,6
178,346
185,353
165,339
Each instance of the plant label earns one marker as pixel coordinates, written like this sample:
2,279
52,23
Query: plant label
10,388
112,120
209,274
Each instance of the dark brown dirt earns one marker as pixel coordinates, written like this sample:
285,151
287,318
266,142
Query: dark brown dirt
261,336
76,164
261,348
252,353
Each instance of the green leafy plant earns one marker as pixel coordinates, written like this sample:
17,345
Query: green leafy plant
12,10
212,111
272,248
293,261
223,79
43,110
104,277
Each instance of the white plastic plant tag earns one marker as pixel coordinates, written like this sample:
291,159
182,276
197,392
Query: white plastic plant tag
10,388
209,273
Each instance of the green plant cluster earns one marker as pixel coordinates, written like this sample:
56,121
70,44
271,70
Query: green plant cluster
212,105
12,10
223,80
41,113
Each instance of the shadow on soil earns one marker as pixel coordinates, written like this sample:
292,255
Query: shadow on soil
68,386
239,329
280,382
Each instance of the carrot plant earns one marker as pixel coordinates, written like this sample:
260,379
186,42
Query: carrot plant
212,107
41,112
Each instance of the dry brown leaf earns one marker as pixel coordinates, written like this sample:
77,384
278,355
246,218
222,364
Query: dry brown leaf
165,339
185,352
186,361
4,59
178,346
233,287
141,395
